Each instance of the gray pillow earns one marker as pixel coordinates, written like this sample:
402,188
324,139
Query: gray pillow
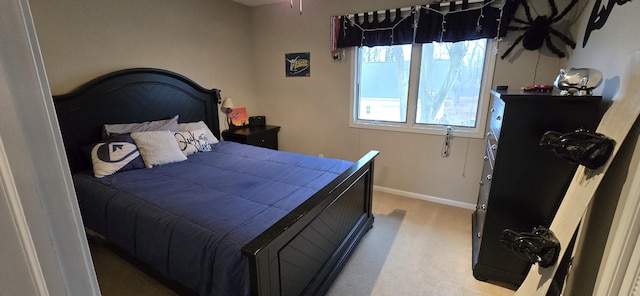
158,147
170,124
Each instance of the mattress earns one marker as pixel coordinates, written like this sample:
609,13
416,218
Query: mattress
190,219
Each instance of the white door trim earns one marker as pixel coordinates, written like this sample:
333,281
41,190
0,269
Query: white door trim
35,178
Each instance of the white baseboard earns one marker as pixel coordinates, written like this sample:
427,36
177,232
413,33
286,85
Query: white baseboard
434,199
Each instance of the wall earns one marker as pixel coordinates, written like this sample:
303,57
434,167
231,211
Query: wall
607,50
208,41
240,50
314,111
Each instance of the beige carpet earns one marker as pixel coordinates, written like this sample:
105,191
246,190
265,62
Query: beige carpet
415,248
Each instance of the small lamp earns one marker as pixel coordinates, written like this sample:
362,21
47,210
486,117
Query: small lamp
226,107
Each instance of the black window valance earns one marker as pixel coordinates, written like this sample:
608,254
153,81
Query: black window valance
457,23
368,30
443,22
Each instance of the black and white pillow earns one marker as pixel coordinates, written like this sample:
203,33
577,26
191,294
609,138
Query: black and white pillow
191,142
115,154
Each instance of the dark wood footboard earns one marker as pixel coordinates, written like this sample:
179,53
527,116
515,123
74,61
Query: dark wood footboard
303,253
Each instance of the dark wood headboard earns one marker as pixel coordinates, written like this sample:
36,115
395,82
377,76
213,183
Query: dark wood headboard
128,96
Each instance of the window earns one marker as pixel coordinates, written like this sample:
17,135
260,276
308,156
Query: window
423,88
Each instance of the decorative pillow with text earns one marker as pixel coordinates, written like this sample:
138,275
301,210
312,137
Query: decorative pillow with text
191,142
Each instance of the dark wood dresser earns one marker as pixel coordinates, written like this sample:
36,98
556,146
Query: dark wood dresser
263,136
522,184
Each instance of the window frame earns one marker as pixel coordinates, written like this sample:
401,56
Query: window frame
412,97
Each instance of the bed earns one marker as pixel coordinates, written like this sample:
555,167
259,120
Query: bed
248,225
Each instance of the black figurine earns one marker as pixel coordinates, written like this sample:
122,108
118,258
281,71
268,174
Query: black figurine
539,246
581,146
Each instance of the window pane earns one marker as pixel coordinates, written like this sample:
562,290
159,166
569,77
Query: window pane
449,86
383,83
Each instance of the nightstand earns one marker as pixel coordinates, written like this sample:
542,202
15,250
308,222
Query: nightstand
263,136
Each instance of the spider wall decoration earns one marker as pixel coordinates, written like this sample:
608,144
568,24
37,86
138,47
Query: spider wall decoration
538,31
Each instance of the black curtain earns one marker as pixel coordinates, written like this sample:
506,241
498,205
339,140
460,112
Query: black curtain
367,30
430,23
458,23
436,22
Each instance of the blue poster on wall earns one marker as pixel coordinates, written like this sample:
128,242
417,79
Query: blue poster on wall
297,64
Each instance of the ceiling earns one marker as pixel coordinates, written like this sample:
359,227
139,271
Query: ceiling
257,2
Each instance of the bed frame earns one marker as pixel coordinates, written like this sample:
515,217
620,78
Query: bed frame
299,255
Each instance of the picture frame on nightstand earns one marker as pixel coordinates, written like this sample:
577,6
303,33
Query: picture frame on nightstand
238,118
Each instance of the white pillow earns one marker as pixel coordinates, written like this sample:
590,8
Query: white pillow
191,142
192,126
158,147
170,124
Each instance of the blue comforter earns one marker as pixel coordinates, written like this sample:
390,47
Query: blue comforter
190,220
